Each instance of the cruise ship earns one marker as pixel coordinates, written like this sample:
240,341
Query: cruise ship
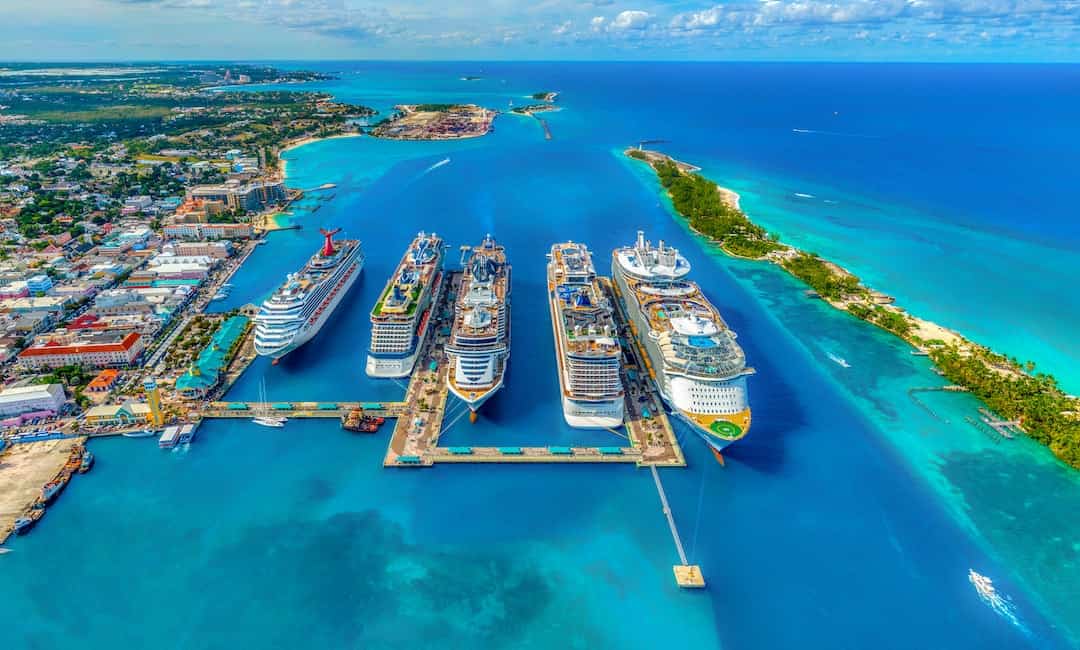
690,353
586,342
402,317
479,345
301,306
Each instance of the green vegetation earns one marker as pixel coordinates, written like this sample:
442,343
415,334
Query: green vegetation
821,276
71,376
699,201
543,95
434,108
1045,412
888,319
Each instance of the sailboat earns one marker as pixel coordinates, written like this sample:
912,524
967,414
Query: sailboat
262,416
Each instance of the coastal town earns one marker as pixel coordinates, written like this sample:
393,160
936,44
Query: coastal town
114,244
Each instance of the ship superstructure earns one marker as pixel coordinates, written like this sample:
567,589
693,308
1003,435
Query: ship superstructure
479,345
401,319
299,308
690,353
587,347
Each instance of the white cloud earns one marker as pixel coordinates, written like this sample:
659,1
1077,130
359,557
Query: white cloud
630,19
562,29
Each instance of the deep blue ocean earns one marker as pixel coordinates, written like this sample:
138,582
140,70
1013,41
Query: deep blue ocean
850,517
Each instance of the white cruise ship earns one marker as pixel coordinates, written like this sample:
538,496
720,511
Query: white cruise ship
479,345
302,305
690,353
586,342
401,319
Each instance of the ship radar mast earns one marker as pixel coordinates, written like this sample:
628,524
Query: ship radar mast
328,249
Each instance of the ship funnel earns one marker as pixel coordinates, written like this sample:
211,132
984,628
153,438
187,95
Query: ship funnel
641,239
328,245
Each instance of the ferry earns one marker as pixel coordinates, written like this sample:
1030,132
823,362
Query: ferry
479,345
587,347
690,352
401,319
301,306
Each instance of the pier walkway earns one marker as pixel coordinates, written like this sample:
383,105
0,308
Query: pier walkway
646,422
300,409
686,574
416,432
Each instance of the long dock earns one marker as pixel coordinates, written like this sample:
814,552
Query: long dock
415,441
301,409
647,425
686,574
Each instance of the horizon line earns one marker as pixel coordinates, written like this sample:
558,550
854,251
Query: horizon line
1064,62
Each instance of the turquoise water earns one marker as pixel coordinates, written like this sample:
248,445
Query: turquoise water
850,516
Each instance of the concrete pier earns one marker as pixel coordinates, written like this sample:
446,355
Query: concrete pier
652,436
420,420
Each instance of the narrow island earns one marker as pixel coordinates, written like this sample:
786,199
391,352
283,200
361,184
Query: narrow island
545,96
435,122
533,108
1010,388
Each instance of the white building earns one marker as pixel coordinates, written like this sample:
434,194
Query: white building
25,399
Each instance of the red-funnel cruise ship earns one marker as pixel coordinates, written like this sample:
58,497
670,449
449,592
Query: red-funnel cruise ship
301,306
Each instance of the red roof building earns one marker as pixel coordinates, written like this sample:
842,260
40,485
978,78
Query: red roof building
95,349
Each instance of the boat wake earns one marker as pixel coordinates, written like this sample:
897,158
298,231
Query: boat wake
804,196
833,133
444,161
1003,605
838,360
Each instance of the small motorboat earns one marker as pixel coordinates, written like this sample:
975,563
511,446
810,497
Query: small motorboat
145,433
269,421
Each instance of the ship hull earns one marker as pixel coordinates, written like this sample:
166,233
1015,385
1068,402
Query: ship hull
473,399
310,329
387,367
593,415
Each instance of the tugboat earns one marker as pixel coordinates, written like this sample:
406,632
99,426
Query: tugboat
87,461
24,524
356,421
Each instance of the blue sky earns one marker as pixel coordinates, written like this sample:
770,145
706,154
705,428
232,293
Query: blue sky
938,30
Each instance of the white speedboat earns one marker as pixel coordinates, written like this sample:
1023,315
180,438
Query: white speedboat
269,422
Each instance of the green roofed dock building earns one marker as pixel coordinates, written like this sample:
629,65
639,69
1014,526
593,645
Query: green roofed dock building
207,370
